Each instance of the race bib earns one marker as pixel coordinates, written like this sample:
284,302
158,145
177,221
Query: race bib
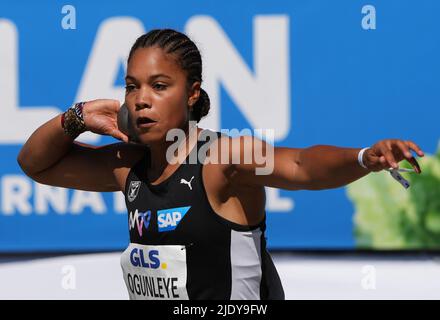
155,272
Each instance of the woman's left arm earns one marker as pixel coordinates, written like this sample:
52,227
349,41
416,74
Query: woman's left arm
332,167
314,168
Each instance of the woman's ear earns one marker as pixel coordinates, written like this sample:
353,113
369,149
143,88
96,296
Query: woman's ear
194,94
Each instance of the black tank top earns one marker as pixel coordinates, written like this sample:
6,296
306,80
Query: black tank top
181,249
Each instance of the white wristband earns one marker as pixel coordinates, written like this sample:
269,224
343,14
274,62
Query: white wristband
360,156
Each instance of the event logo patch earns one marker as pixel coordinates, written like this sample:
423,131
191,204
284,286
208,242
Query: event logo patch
133,190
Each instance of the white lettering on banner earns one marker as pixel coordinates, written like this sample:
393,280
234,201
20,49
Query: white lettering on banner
114,40
82,199
276,203
251,91
264,102
119,203
12,114
44,195
112,44
16,191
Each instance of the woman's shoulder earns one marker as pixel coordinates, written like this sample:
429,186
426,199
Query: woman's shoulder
124,156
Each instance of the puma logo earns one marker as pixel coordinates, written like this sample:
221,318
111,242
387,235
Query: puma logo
187,182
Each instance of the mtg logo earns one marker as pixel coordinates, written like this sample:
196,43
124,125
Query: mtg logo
139,220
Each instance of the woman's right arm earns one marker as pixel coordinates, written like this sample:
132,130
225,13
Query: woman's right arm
52,157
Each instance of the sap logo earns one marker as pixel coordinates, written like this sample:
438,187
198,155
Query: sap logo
139,220
168,219
139,258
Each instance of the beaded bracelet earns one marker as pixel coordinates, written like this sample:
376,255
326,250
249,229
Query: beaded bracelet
72,120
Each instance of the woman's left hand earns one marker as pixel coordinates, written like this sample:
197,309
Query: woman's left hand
389,152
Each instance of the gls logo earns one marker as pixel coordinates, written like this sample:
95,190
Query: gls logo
168,219
150,259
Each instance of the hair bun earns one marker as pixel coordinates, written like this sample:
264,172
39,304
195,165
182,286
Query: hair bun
202,106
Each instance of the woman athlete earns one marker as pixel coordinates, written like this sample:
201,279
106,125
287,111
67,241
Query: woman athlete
197,229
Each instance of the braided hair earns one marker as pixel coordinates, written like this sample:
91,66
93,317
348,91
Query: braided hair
187,55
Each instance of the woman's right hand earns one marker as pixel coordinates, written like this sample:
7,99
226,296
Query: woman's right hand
101,115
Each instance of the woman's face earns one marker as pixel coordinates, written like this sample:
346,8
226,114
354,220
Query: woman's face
156,88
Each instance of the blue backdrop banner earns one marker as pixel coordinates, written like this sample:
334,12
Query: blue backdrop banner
344,73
